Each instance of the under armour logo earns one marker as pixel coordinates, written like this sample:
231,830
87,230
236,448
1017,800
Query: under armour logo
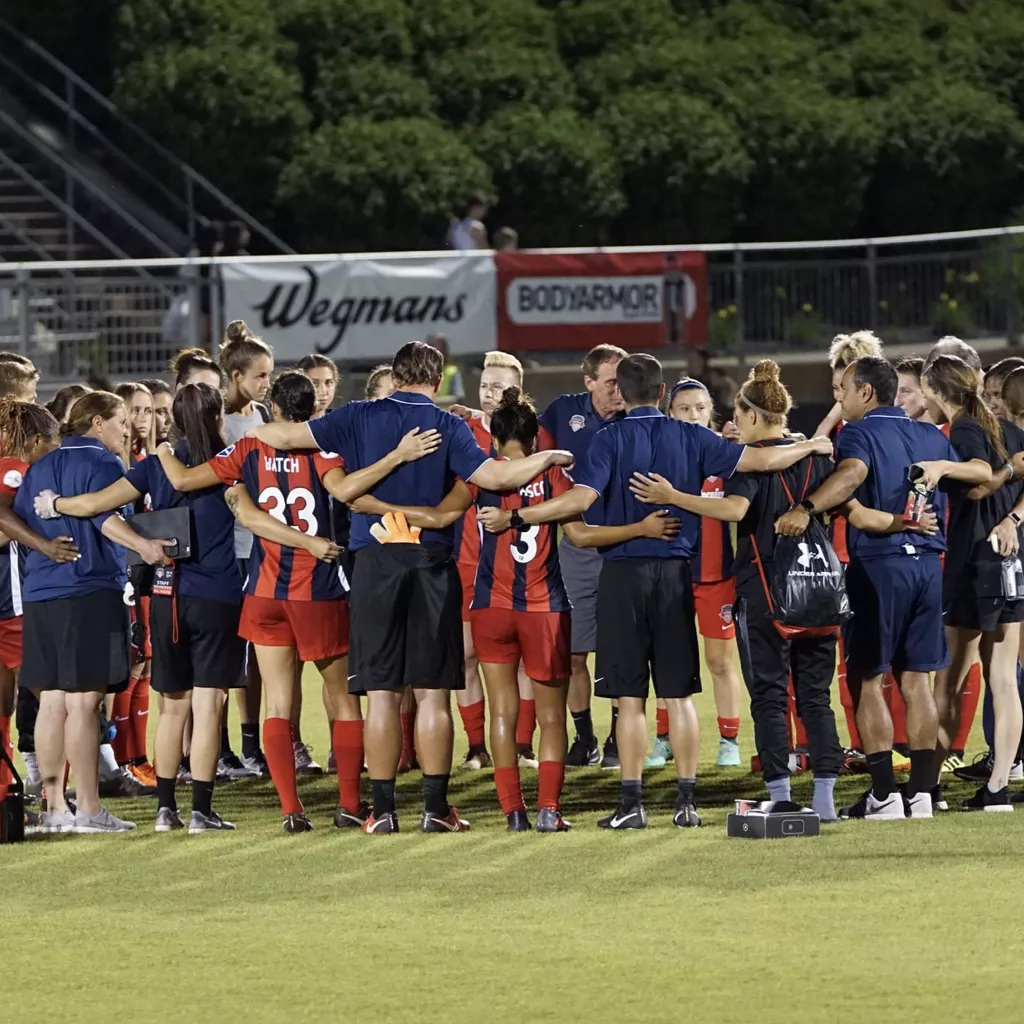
807,556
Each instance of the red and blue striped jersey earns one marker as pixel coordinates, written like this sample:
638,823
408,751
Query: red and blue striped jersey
467,537
712,561
519,569
288,486
837,525
12,557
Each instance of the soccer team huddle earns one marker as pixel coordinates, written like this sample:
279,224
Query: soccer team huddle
406,551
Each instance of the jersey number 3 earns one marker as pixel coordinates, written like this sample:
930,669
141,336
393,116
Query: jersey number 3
525,548
301,501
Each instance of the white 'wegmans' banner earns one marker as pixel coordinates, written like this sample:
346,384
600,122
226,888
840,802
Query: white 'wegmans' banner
364,307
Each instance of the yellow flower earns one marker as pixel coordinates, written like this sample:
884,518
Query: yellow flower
722,314
732,309
944,297
952,304
806,307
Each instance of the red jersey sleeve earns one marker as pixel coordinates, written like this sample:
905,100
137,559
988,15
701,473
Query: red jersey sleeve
12,472
324,462
473,490
560,481
545,440
228,464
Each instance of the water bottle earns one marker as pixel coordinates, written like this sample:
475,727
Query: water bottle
918,498
1012,578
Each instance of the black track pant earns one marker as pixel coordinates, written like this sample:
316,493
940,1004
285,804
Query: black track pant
767,660
25,712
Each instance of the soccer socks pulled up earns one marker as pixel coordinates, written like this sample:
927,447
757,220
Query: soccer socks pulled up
280,754
510,790
526,722
778,789
383,797
631,793
684,793
922,772
165,793
880,767
202,797
823,802
435,795
661,722
138,709
6,778
347,743
584,724
551,778
250,740
728,728
473,722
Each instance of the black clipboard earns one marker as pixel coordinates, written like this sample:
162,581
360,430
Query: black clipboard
164,524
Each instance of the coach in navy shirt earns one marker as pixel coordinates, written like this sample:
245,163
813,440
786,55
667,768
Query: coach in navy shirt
406,597
571,422
645,597
894,582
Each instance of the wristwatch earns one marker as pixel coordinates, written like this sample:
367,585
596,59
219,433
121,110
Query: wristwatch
515,520
808,506
1017,520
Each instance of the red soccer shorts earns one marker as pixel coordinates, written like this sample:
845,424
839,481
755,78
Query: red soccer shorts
467,574
543,640
714,602
10,642
316,629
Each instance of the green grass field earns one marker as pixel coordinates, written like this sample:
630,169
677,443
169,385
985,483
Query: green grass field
915,921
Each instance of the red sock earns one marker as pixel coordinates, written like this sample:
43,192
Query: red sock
510,790
846,699
552,775
661,721
897,710
969,698
139,717
473,722
347,740
408,736
728,728
280,755
6,778
121,719
526,722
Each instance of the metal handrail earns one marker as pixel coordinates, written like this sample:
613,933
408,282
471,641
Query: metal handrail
192,176
84,182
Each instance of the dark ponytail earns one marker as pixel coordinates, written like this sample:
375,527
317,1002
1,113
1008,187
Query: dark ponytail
515,419
959,385
196,411
293,394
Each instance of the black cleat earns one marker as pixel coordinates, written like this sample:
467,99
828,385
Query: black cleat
351,819
986,800
610,759
939,801
451,823
518,821
385,825
296,823
979,770
124,784
686,817
549,820
625,818
857,810
581,753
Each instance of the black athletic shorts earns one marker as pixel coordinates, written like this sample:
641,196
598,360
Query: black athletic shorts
406,619
77,644
975,600
646,629
206,650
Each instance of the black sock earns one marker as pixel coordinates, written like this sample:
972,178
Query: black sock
165,793
684,793
225,741
632,793
435,795
960,754
880,767
615,722
383,797
202,797
584,726
250,740
922,772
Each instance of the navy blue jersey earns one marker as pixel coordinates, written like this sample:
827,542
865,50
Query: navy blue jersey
80,465
645,441
364,432
888,442
570,423
212,570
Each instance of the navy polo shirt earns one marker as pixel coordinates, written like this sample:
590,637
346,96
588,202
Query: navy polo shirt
572,422
364,432
212,570
647,442
79,466
888,442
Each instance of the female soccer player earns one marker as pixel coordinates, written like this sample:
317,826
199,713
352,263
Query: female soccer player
195,606
714,593
979,617
194,366
60,404
323,372
768,660
247,363
380,383
295,606
162,398
27,432
520,610
76,639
